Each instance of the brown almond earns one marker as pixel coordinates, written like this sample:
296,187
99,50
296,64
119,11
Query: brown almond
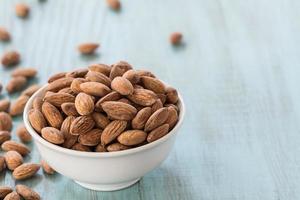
88,48
2,164
101,120
60,84
67,90
53,135
158,132
145,73
16,84
100,148
82,125
141,118
98,77
10,58
172,117
114,4
153,84
156,119
17,107
4,136
117,147
23,134
172,95
119,110
162,98
25,171
31,90
70,139
175,38
4,105
84,104
5,122
173,106
122,85
37,103
25,72
112,131
69,109
75,86
78,73
57,99
27,193
4,34
13,160
22,10
95,89
132,76
91,138
4,191
37,120
47,168
112,96
118,69
52,115
132,137
80,147
143,97
136,86
12,196
57,76
157,105
102,68
15,146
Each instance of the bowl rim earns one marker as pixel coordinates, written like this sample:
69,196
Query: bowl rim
49,145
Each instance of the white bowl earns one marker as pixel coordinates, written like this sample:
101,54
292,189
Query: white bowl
106,171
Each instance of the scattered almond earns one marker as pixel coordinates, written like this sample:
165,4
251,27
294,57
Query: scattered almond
16,84
17,107
4,34
27,193
23,134
4,191
12,196
2,164
175,38
114,4
5,122
88,48
22,10
10,58
25,171
13,160
15,146
4,105
4,136
25,72
47,168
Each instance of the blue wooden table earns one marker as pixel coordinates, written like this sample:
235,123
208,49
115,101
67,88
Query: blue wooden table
238,71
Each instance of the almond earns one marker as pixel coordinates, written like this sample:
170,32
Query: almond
4,34
157,105
118,69
67,90
136,86
141,118
15,146
22,10
70,139
132,137
37,103
12,196
173,106
119,110
158,132
52,115
88,48
2,164
143,97
31,90
117,147
162,98
175,38
53,135
100,148
47,168
25,171
112,131
122,85
80,147
101,120
145,73
25,72
153,84
5,122
60,84
95,89
13,159
114,4
75,86
82,125
102,68
37,120
91,138
69,109
112,96
132,76
98,77
4,136
77,73
18,106
84,104
56,77
27,193
4,105
172,95
156,119
16,84
4,191
172,117
10,58
23,134
57,99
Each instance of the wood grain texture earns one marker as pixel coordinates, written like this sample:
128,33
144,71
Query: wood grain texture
238,72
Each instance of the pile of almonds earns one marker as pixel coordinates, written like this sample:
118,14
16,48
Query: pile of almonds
104,108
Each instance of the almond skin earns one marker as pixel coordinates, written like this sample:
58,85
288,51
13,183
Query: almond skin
13,159
52,115
118,69
119,110
143,97
172,95
156,119
117,147
53,135
67,90
95,89
10,58
84,104
18,106
15,146
91,138
37,103
57,99
4,34
122,85
145,73
26,72
4,105
98,77
4,136
47,168
22,10
16,84
5,122
88,48
132,137
23,134
101,120
77,73
4,191
157,105
157,133
57,76
153,84
172,117
12,196
102,68
132,76
2,164
82,125
70,139
112,131
112,96
27,193
69,109
141,118
75,86
25,171
37,120
31,90
60,84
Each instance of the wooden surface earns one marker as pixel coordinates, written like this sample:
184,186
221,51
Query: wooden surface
238,72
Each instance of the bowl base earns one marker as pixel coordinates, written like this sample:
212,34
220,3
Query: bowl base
108,187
